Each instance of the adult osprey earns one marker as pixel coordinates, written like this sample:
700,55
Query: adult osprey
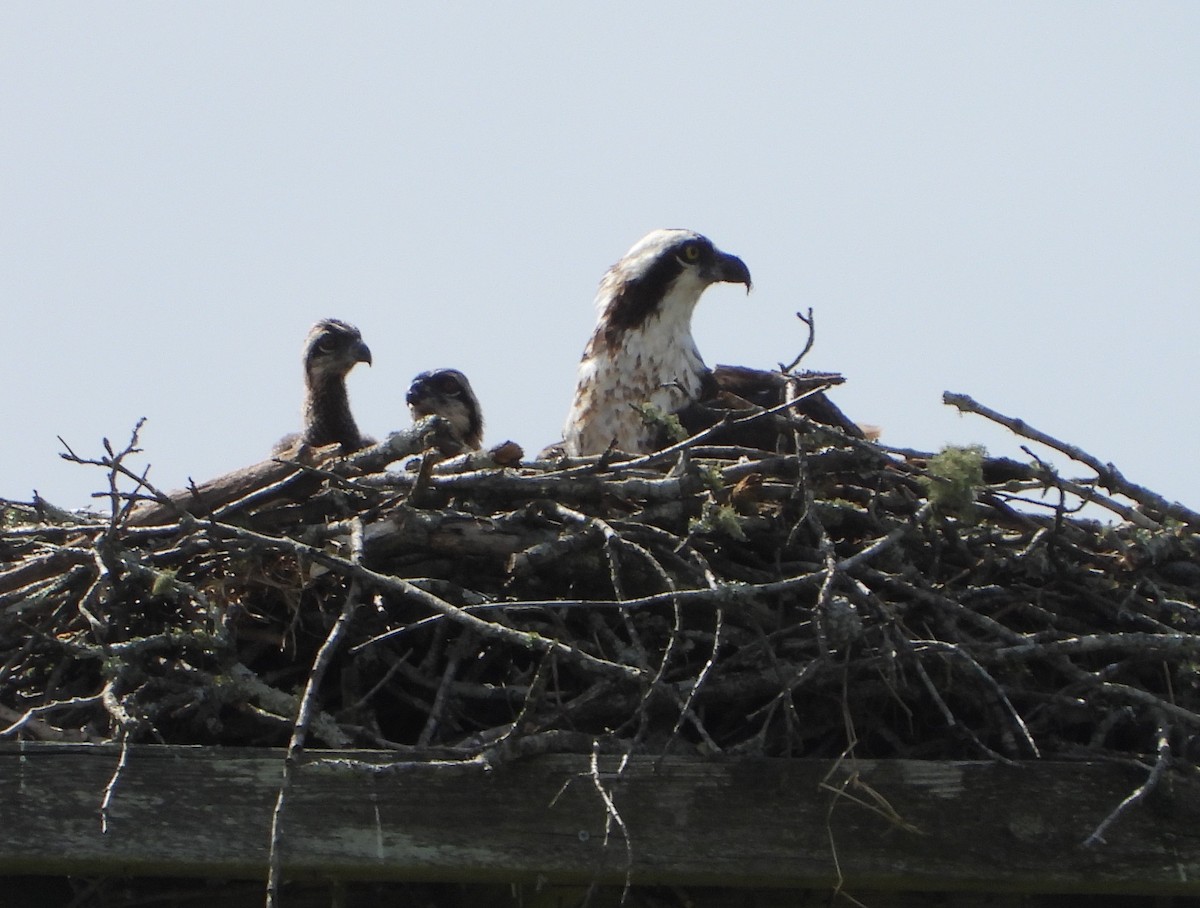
448,394
331,350
642,349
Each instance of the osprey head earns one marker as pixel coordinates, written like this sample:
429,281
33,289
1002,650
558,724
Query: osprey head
332,349
642,351
665,268
448,394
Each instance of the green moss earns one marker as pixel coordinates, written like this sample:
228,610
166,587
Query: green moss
711,477
668,422
954,478
164,583
718,520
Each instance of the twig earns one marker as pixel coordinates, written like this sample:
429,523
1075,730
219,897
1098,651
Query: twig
120,502
41,729
685,710
279,703
612,815
1139,794
458,649
726,593
111,788
670,452
1084,493
811,324
1128,642
304,715
1107,474
414,593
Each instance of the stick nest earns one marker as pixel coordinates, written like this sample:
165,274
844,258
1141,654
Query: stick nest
828,596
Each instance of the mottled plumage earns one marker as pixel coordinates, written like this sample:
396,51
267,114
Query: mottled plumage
331,350
642,350
447,393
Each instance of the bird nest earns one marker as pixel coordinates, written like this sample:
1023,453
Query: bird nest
830,595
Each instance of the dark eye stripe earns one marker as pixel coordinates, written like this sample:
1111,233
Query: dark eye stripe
640,295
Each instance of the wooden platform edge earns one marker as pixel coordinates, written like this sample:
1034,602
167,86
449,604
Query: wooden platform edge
891,825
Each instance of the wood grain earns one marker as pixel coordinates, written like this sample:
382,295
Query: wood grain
204,812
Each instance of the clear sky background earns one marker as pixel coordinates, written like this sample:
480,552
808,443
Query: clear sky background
1001,199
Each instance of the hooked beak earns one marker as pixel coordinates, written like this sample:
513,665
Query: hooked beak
418,390
730,269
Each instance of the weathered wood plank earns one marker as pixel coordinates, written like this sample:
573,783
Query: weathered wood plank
205,812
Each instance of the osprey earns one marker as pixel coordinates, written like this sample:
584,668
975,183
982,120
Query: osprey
448,394
642,351
331,350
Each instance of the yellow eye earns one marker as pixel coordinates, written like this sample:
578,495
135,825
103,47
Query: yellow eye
691,252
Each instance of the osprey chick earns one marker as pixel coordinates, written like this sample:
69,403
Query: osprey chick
331,350
642,350
447,393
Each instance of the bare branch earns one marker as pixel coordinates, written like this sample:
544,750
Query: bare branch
1106,473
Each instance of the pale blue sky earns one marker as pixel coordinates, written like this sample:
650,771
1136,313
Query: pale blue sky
1001,199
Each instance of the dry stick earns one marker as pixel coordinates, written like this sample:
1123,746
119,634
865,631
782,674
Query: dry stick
1139,794
262,493
1128,642
612,815
276,703
824,543
458,649
419,495
558,486
1108,475
960,652
125,723
269,479
1005,702
686,711
687,444
726,593
17,582
1137,695
547,553
1092,643
111,788
1080,491
115,465
114,461
422,435
1020,649
1085,495
87,603
116,709
42,730
811,324
838,792
977,619
685,705
948,714
612,540
295,748
129,649
507,743
104,544
743,592
401,587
